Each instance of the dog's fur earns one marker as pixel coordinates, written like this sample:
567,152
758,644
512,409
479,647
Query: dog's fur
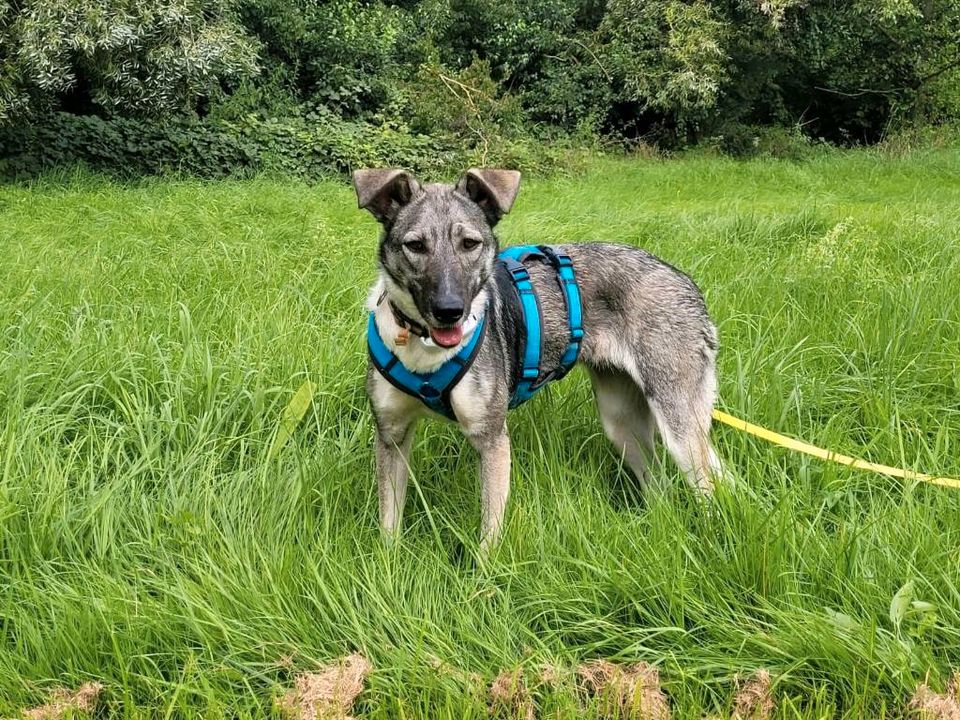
648,345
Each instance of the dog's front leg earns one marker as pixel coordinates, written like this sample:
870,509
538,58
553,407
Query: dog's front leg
494,449
393,468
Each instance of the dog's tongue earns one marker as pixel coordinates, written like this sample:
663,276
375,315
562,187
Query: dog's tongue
447,337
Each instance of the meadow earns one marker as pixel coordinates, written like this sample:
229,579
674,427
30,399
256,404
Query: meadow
152,333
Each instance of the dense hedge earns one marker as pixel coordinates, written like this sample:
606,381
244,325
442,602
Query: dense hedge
214,149
669,70
310,147
191,83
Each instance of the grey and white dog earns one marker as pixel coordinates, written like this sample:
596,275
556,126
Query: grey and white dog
649,345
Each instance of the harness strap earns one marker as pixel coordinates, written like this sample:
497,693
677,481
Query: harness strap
567,279
530,361
433,389
532,377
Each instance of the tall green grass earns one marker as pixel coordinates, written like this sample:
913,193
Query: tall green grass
151,335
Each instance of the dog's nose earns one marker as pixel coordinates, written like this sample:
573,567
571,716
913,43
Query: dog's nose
448,309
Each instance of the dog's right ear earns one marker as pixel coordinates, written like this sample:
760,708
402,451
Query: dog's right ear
384,191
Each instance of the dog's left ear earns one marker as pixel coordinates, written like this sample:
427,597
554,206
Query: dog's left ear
493,190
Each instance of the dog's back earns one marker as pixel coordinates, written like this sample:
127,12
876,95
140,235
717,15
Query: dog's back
648,344
635,308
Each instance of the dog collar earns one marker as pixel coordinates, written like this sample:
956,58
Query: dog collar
407,322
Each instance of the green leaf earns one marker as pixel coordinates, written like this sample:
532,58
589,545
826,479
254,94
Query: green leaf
292,415
901,603
841,621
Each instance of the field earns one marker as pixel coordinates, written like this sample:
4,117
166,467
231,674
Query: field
152,334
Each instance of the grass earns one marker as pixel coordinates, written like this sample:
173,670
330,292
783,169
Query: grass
151,335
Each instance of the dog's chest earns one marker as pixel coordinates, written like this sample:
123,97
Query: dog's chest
471,399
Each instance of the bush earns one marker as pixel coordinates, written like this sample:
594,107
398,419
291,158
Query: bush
298,147
671,56
346,55
858,67
308,147
466,105
740,140
844,71
123,146
134,57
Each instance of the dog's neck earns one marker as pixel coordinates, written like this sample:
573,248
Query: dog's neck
418,354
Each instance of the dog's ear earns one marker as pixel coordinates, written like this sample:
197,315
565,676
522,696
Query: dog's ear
384,191
493,190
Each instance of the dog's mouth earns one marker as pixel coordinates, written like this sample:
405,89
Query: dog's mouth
447,337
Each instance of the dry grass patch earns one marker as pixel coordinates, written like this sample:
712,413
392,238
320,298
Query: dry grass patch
929,705
754,698
553,675
63,702
328,694
470,679
509,696
630,690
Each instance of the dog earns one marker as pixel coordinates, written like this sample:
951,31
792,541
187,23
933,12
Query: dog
648,343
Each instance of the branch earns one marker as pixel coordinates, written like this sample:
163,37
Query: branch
595,58
859,92
955,63
936,73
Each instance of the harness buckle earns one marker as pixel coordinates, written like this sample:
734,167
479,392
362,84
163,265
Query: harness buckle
520,273
556,258
577,334
428,392
530,373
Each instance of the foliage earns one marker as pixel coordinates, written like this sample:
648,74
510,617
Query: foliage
872,63
345,55
466,104
137,57
485,76
670,55
841,70
681,69
307,147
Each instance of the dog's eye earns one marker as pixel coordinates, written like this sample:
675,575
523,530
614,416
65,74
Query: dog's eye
470,243
416,246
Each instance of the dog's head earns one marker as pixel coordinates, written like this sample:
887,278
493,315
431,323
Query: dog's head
437,249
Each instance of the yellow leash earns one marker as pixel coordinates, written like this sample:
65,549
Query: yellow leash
807,449
300,402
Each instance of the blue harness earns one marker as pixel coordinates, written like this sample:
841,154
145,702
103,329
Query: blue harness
433,389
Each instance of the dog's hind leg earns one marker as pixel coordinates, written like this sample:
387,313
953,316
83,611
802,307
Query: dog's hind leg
683,416
626,419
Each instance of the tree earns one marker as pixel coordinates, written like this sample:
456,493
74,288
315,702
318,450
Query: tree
132,57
